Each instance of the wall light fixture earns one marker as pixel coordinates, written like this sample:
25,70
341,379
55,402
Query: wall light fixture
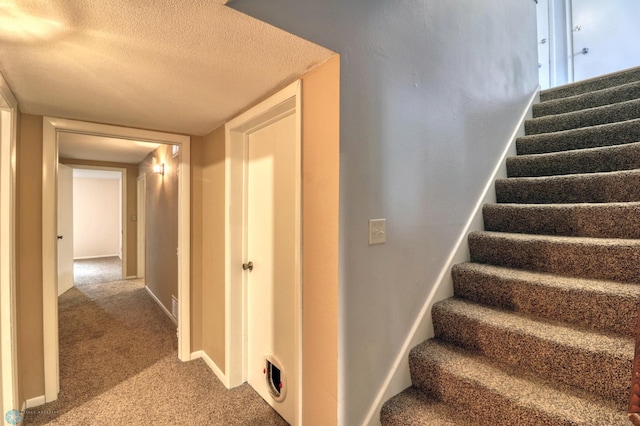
158,169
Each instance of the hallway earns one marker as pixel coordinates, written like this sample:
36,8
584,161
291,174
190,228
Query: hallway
119,365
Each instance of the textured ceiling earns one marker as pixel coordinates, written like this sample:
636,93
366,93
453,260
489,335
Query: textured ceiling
88,147
183,66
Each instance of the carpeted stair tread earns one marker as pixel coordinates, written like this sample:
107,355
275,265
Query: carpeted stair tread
595,258
414,407
588,160
592,84
597,363
607,96
605,306
498,395
541,327
587,137
611,187
622,111
594,220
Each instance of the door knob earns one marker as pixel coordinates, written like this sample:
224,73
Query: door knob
248,266
59,237
585,50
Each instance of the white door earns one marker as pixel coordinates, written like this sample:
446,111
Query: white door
605,36
65,228
544,41
141,220
271,184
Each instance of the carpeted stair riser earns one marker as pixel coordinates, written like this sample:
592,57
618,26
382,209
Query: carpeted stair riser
540,331
596,258
412,404
597,83
499,395
604,306
590,137
606,114
590,160
608,96
602,220
596,363
613,187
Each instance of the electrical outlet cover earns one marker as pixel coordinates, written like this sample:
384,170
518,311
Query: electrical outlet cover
377,231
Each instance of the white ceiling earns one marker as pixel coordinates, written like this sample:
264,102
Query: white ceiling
182,66
100,148
95,174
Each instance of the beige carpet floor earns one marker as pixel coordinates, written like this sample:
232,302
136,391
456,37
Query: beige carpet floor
98,270
119,366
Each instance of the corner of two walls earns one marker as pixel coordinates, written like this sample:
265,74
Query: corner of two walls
161,261
208,246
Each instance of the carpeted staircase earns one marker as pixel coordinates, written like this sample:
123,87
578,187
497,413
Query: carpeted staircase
540,330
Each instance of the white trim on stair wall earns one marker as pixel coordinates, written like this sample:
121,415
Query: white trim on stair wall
399,377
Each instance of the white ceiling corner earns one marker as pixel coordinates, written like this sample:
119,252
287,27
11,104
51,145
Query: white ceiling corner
181,66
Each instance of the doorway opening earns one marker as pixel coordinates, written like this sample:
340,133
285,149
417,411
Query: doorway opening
582,39
52,129
92,224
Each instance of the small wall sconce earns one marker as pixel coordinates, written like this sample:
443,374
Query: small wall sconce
158,169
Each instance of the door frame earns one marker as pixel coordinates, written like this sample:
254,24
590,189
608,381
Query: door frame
51,127
8,331
141,224
124,229
236,137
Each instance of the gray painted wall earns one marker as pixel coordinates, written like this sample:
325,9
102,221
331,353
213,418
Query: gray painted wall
431,91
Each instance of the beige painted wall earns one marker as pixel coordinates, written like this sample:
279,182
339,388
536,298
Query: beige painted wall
320,206
320,243
96,217
132,207
161,260
208,255
29,257
320,164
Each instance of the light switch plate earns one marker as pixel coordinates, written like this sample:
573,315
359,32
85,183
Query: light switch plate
377,231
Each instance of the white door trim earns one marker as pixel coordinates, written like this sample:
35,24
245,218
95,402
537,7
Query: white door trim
141,222
236,132
51,127
123,202
8,333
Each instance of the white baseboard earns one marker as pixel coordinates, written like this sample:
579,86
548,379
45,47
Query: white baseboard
212,365
130,277
97,257
399,377
166,311
34,402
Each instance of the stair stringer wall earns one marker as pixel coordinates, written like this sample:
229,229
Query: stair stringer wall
399,377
